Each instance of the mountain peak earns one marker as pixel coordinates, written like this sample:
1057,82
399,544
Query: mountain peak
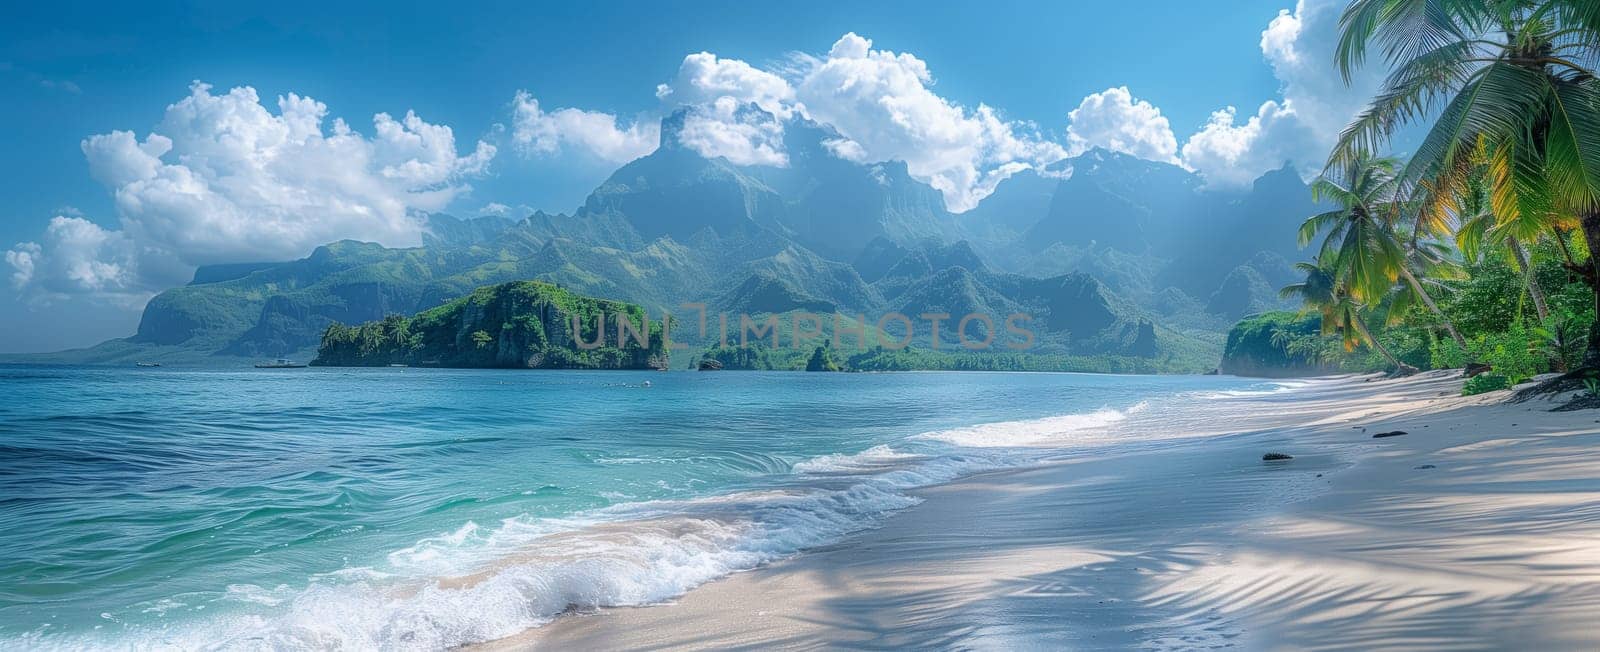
1101,158
1286,176
672,129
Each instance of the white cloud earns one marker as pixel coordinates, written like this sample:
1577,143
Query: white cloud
1232,154
1115,120
63,85
1278,39
882,104
1303,125
225,180
536,132
1300,46
704,78
1231,150
21,259
742,133
498,209
83,258
718,95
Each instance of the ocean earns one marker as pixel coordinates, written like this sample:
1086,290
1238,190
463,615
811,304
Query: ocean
428,508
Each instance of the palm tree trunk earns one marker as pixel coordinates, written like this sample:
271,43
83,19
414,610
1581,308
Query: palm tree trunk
1561,241
1591,236
1533,281
1416,286
1400,367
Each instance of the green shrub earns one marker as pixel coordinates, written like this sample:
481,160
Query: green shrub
1446,354
1513,353
1485,383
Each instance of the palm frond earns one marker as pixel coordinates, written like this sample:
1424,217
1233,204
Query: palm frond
1496,104
1517,190
1572,145
1317,224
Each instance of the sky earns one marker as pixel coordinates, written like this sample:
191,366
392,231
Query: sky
145,139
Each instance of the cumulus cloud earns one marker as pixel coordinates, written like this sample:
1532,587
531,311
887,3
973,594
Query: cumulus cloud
1302,127
1233,154
732,109
223,179
744,134
83,258
1115,120
881,102
21,259
537,132
883,105
1232,149
704,78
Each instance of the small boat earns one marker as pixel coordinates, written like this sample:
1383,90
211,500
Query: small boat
280,363
146,364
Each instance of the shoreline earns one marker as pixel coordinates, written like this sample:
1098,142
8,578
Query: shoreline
1452,535
241,364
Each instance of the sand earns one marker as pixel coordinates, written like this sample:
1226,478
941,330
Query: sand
1493,544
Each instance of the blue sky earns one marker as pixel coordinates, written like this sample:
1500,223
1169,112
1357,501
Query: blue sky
70,72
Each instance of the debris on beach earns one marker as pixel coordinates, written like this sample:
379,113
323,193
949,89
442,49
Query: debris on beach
1273,457
1391,433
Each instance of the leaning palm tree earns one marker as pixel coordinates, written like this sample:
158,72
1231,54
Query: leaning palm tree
1341,314
1477,238
1463,201
1366,254
1513,79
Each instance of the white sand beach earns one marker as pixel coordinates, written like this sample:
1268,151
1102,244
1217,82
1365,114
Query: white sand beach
1478,529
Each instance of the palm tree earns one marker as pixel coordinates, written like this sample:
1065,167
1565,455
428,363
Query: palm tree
1477,231
1341,313
1465,199
1512,79
1365,253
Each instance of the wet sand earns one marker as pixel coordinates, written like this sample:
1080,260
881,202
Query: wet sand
1197,543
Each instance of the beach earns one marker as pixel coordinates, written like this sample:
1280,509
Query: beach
442,509
1479,528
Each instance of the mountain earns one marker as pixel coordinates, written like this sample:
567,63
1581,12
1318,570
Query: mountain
1016,204
1107,254
1120,201
447,231
1147,229
837,207
1252,287
677,193
1236,228
829,205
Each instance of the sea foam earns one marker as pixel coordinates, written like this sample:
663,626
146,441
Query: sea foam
479,583
1048,431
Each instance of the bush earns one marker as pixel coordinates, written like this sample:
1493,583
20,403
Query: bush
1513,353
1485,383
1446,354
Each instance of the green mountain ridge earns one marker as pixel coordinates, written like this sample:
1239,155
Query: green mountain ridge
820,234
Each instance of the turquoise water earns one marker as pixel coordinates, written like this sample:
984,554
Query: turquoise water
424,508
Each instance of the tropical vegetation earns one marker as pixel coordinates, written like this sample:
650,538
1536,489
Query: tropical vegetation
523,324
1474,251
